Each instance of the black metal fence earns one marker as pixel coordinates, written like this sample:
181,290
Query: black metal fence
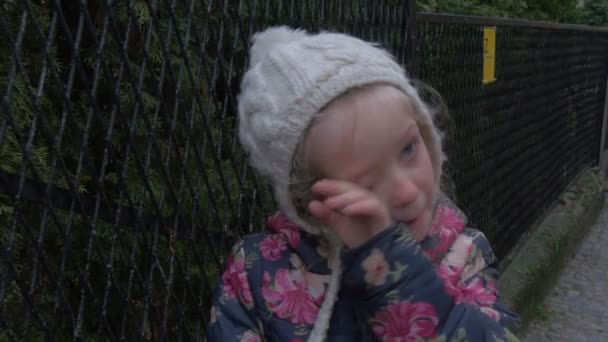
122,184
517,142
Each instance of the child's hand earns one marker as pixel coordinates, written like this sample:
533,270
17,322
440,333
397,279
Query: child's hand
355,214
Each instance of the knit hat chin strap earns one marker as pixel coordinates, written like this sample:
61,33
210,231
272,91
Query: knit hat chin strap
321,327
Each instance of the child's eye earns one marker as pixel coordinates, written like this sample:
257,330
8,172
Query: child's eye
408,151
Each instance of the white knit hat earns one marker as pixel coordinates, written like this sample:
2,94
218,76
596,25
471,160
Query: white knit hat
292,76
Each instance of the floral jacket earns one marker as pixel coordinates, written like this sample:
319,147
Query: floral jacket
393,288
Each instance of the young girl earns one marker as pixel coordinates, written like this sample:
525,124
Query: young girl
365,246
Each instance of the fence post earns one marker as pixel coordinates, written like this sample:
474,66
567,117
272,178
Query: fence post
603,150
412,39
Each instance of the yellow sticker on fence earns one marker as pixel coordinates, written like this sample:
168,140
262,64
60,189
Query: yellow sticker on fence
489,55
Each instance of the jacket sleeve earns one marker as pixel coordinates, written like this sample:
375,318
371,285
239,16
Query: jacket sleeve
233,314
401,296
477,283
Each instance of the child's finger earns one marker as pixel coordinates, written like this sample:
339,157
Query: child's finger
345,199
327,216
368,207
322,213
330,187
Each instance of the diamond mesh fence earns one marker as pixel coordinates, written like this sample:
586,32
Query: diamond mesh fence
515,144
122,184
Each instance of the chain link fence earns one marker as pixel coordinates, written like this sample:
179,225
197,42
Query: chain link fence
122,184
516,143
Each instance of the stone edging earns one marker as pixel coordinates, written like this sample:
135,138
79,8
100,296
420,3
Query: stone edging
537,261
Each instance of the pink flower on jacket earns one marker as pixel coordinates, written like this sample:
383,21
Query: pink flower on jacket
459,253
315,283
289,299
474,266
405,321
272,246
234,281
476,293
447,224
491,312
449,275
250,336
376,268
282,225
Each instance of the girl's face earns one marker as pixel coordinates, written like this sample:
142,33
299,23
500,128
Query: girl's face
371,138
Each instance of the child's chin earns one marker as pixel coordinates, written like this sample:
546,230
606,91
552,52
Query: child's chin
419,228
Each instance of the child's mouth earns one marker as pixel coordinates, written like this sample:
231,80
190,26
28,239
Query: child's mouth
408,222
411,222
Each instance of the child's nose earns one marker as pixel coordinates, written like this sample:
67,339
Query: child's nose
404,190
